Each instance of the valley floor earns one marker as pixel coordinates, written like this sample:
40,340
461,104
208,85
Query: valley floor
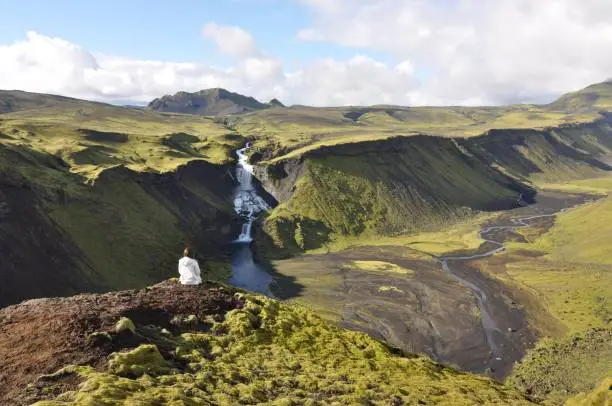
395,290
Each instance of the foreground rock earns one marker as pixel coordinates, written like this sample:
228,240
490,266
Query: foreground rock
210,345
40,336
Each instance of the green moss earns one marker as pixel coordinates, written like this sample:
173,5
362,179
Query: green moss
559,368
125,324
385,289
145,359
379,266
281,354
600,396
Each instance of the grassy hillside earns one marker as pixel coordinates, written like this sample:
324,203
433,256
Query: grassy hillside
290,132
60,235
594,98
394,187
97,197
413,184
17,100
94,136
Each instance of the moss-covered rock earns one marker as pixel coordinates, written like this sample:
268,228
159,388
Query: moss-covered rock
145,359
124,325
271,353
557,369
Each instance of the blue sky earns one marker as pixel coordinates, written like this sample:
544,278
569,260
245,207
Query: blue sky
318,52
168,30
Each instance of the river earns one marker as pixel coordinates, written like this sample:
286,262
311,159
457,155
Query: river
248,204
492,238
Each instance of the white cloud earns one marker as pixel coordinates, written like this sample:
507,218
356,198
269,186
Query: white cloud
358,81
496,51
231,41
438,52
52,65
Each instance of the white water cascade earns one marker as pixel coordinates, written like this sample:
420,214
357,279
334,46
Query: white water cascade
247,202
246,273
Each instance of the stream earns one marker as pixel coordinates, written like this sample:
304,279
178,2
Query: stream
493,333
248,204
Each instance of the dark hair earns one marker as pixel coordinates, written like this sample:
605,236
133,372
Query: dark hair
188,252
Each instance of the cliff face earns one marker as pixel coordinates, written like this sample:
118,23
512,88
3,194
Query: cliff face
409,184
59,235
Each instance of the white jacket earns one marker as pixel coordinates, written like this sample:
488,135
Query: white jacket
190,271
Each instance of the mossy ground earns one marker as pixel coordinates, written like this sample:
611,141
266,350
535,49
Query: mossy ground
559,368
272,353
380,266
602,395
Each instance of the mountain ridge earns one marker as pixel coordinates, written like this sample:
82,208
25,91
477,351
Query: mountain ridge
214,101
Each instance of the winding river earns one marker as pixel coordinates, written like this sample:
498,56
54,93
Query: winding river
248,204
491,330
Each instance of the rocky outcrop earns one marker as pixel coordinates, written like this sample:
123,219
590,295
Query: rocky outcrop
210,344
38,337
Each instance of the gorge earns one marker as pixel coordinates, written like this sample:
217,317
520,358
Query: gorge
384,220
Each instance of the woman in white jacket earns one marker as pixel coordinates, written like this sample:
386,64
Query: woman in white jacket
189,269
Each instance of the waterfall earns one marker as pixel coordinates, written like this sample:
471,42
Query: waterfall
246,273
247,202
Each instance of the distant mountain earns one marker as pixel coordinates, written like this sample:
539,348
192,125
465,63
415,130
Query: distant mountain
208,102
592,98
275,103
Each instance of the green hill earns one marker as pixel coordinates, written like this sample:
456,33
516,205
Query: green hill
594,98
17,100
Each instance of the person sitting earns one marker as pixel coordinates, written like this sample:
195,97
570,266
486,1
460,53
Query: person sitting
189,269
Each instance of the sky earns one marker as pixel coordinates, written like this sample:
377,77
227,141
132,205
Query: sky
314,52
